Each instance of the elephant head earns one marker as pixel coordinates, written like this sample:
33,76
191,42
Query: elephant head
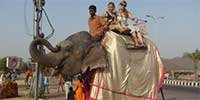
72,56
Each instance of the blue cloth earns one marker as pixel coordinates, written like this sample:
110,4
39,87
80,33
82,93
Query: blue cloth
13,76
46,84
46,80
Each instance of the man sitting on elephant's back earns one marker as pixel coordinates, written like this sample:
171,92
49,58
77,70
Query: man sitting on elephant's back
97,24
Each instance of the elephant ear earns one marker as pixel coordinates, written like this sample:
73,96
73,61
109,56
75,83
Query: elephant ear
95,58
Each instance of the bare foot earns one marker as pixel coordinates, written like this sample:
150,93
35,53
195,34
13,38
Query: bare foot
135,42
141,43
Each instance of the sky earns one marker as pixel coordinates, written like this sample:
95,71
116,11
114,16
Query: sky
177,33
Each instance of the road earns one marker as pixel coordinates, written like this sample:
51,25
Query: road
181,93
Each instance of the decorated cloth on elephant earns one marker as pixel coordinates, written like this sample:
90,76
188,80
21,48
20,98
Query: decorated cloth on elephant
132,74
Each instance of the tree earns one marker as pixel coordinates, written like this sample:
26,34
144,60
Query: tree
195,57
3,64
24,68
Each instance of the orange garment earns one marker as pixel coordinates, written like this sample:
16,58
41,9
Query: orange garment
97,25
79,91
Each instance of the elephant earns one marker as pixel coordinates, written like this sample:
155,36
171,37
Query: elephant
72,56
121,72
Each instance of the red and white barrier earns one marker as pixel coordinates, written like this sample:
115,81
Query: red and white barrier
182,83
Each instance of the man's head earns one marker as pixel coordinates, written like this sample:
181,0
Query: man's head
92,10
70,88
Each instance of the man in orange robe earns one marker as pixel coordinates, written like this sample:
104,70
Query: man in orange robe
79,90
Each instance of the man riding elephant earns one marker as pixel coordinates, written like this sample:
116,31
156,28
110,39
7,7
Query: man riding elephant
97,24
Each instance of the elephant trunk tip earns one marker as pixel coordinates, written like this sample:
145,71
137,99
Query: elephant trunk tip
40,56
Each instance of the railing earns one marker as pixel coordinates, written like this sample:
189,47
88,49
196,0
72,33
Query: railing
182,83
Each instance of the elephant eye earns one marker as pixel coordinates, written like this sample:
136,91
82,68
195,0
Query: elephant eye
68,48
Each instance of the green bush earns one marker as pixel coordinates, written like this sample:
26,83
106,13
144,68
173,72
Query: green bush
3,64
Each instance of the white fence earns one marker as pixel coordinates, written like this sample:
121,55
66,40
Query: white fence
182,83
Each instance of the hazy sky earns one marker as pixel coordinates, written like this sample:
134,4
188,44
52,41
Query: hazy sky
179,32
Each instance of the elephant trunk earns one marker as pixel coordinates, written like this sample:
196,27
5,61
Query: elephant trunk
48,60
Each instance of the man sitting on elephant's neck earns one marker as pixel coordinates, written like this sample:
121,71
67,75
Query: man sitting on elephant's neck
97,24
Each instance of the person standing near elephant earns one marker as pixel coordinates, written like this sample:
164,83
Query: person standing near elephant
46,81
13,75
97,24
71,93
2,78
79,89
8,76
67,84
60,83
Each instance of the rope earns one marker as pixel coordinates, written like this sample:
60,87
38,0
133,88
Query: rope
41,19
49,22
34,2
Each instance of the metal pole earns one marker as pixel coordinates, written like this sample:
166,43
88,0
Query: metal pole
38,10
38,17
162,93
36,83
